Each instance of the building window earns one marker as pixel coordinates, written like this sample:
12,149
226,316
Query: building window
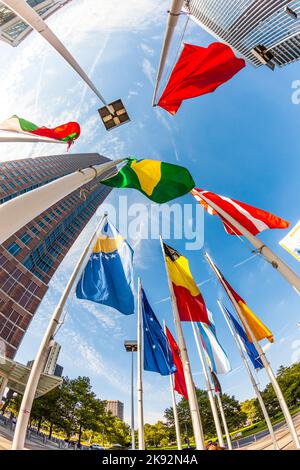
14,248
25,238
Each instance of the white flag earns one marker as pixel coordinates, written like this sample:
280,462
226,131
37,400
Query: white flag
291,242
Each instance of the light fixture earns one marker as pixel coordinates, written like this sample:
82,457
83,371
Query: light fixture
115,119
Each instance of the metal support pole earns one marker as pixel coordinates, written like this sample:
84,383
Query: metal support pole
3,387
228,439
192,396
132,402
252,378
140,351
41,357
209,389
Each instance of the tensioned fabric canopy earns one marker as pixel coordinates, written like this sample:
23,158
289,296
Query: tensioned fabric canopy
17,375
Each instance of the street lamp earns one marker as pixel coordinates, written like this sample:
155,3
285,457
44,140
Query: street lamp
131,346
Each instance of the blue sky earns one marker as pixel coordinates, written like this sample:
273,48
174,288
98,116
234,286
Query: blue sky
241,141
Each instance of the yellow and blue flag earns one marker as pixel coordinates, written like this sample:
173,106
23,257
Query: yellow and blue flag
249,347
157,352
108,276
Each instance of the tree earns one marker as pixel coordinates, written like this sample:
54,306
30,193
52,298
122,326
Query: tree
249,407
156,434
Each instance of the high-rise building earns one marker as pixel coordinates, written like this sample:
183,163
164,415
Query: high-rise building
269,27
116,408
30,257
13,29
51,366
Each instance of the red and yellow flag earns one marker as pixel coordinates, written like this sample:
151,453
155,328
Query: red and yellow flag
179,379
190,303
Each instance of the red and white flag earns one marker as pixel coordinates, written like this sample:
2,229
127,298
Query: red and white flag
251,218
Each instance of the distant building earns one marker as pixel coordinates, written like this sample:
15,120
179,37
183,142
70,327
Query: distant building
30,257
271,27
51,366
13,30
116,408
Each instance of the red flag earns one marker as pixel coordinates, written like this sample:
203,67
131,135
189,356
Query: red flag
179,380
199,70
251,218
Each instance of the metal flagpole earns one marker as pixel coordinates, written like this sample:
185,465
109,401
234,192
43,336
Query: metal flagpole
31,17
193,403
21,138
132,402
174,405
140,353
173,15
261,248
252,378
22,209
220,404
264,360
41,357
209,389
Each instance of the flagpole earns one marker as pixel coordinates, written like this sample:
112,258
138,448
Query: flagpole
173,16
228,439
141,437
31,17
192,396
20,138
22,209
264,360
209,389
261,248
174,405
41,357
252,378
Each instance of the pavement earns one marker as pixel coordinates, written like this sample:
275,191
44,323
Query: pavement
6,435
264,441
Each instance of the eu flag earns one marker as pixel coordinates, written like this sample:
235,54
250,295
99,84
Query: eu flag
157,352
108,276
250,348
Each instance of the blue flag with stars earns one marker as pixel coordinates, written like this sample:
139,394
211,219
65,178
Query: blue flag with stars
157,352
249,347
108,276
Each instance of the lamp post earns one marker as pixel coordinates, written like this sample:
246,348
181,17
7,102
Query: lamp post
131,346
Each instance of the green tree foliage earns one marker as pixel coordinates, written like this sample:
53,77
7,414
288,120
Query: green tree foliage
249,407
156,434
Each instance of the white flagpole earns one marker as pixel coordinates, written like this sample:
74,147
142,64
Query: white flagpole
140,353
20,210
209,389
173,16
41,357
252,378
22,138
193,403
228,439
270,256
31,17
174,405
264,360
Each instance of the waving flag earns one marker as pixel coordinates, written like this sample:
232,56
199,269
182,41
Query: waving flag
159,181
179,379
157,353
217,385
199,70
190,303
216,355
249,347
291,242
251,218
108,276
258,328
67,132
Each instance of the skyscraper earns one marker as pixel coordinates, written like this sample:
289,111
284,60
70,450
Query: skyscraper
270,26
116,408
30,257
13,30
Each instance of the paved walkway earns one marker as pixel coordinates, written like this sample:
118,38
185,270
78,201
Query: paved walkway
6,435
282,435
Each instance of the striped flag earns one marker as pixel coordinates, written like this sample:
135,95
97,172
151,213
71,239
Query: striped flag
65,132
215,354
179,379
251,218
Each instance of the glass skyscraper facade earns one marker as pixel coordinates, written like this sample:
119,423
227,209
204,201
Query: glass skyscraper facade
30,257
13,30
